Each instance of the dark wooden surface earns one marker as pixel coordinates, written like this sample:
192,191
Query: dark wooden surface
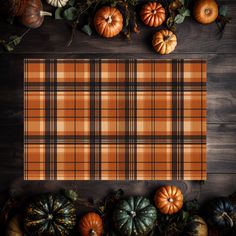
194,41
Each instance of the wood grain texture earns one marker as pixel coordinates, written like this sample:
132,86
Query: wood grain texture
194,41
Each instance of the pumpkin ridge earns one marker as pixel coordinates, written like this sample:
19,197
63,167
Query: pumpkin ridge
66,204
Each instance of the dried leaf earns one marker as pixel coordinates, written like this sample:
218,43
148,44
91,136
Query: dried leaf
174,5
179,19
136,28
87,29
58,13
70,13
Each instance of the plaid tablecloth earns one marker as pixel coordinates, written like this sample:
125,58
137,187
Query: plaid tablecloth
115,119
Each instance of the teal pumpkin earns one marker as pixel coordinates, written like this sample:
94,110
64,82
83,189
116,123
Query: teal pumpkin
220,212
50,214
135,216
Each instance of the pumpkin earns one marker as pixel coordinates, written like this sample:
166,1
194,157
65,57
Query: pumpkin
164,41
220,212
91,225
205,11
12,8
14,227
57,3
33,14
196,227
50,214
108,21
153,14
168,199
134,216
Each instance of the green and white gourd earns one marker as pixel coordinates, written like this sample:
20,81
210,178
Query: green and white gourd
57,3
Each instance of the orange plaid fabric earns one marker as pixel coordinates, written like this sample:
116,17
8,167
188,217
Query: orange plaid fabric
115,119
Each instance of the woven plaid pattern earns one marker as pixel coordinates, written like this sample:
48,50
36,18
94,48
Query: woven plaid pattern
115,119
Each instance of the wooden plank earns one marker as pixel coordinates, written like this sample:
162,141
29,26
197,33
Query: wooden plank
11,65
216,185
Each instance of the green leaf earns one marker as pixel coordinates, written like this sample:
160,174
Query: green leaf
8,47
223,10
14,40
179,19
71,3
184,11
127,21
182,1
70,13
185,216
87,29
58,13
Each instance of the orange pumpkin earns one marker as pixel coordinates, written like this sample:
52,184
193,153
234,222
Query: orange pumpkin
91,225
164,41
205,11
153,14
108,21
168,199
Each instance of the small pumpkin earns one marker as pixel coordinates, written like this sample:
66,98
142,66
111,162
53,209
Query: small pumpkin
168,199
33,14
50,214
91,224
220,212
164,41
196,227
205,11
153,14
108,21
135,216
57,3
14,227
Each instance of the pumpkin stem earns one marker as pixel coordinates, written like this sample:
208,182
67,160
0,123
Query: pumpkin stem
109,20
45,13
133,213
228,219
170,199
207,11
92,233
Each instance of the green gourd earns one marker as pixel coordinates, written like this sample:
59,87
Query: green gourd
50,214
135,216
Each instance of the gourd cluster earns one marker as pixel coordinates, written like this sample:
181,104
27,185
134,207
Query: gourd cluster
57,214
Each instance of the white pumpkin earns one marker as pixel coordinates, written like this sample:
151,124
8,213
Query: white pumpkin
57,3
